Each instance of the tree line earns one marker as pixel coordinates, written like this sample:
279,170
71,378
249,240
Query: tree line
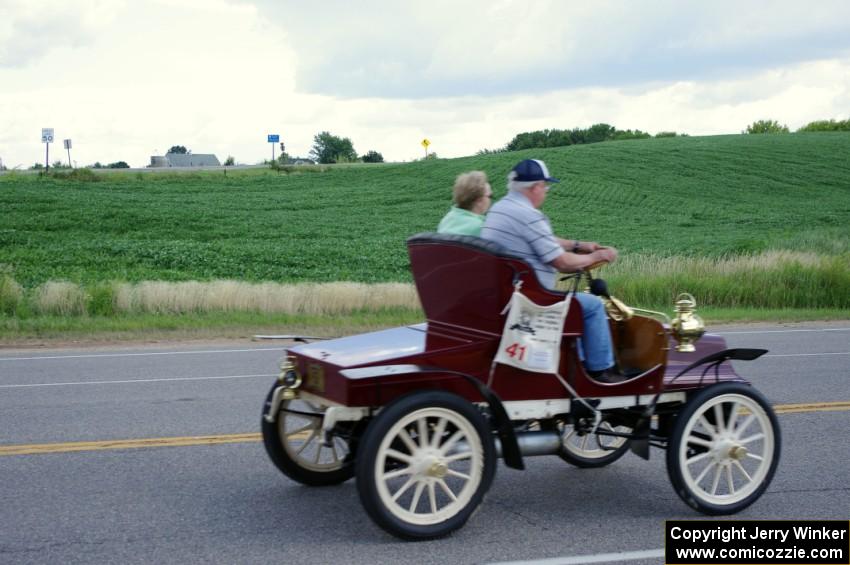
596,133
95,165
604,132
773,126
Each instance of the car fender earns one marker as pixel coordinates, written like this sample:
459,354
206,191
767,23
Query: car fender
504,429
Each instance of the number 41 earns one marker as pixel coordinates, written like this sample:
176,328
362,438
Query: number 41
516,350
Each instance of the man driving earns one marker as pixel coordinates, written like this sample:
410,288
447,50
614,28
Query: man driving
517,224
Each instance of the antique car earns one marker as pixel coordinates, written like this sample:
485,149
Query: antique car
419,414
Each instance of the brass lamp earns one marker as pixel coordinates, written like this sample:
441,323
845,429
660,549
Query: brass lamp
290,378
687,326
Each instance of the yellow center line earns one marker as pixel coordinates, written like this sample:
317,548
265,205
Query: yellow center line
37,448
67,447
812,407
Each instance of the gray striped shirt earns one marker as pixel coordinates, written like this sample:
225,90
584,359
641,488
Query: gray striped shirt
515,224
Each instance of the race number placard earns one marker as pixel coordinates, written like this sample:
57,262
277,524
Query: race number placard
531,339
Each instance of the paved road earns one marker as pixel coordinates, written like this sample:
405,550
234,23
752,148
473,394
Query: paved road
226,503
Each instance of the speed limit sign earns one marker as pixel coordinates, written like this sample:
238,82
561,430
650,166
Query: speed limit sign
47,135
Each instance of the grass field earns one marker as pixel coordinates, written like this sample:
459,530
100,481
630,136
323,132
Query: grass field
681,211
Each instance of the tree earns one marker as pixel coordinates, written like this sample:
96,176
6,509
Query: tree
629,134
561,137
329,148
118,165
230,161
372,157
600,132
827,125
179,149
766,126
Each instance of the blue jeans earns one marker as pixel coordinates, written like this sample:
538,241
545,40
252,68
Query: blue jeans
595,347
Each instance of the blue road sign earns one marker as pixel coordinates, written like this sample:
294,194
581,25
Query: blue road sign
274,138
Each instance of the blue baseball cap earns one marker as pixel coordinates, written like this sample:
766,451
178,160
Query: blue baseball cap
532,170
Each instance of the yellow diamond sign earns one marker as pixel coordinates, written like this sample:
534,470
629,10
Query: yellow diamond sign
425,143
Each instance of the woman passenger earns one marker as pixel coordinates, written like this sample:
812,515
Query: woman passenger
471,197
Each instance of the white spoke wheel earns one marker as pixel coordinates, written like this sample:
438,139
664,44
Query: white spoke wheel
424,465
294,444
593,450
724,449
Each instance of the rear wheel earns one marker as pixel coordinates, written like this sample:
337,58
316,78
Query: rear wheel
294,444
591,450
724,449
425,463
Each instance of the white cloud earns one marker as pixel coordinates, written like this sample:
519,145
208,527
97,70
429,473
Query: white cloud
446,48
30,29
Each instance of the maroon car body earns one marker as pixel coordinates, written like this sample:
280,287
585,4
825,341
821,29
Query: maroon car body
419,413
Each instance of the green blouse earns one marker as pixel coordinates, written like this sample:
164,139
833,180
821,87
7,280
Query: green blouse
461,222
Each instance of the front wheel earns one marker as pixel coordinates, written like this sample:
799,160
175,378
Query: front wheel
294,444
424,465
724,449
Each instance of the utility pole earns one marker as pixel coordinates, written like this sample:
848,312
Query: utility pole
68,147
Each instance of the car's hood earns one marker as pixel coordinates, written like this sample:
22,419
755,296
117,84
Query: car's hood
368,348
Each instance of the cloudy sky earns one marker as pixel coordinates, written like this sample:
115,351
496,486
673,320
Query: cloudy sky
127,79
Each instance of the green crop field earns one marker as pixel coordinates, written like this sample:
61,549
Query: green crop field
713,199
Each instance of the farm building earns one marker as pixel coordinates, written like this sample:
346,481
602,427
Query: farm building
185,160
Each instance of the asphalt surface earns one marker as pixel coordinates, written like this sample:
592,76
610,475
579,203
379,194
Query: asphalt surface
227,503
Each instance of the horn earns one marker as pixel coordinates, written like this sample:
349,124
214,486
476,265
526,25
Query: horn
617,309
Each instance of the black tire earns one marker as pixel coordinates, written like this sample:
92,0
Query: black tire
306,462
396,464
587,453
712,444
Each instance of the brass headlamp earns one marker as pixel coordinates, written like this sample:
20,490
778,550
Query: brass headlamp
289,377
687,326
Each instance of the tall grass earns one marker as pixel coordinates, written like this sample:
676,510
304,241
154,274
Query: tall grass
159,297
61,297
233,296
773,279
11,294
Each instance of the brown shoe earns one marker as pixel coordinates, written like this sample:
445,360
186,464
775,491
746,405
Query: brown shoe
609,376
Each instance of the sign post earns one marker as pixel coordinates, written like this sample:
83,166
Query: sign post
47,139
425,144
68,147
273,138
